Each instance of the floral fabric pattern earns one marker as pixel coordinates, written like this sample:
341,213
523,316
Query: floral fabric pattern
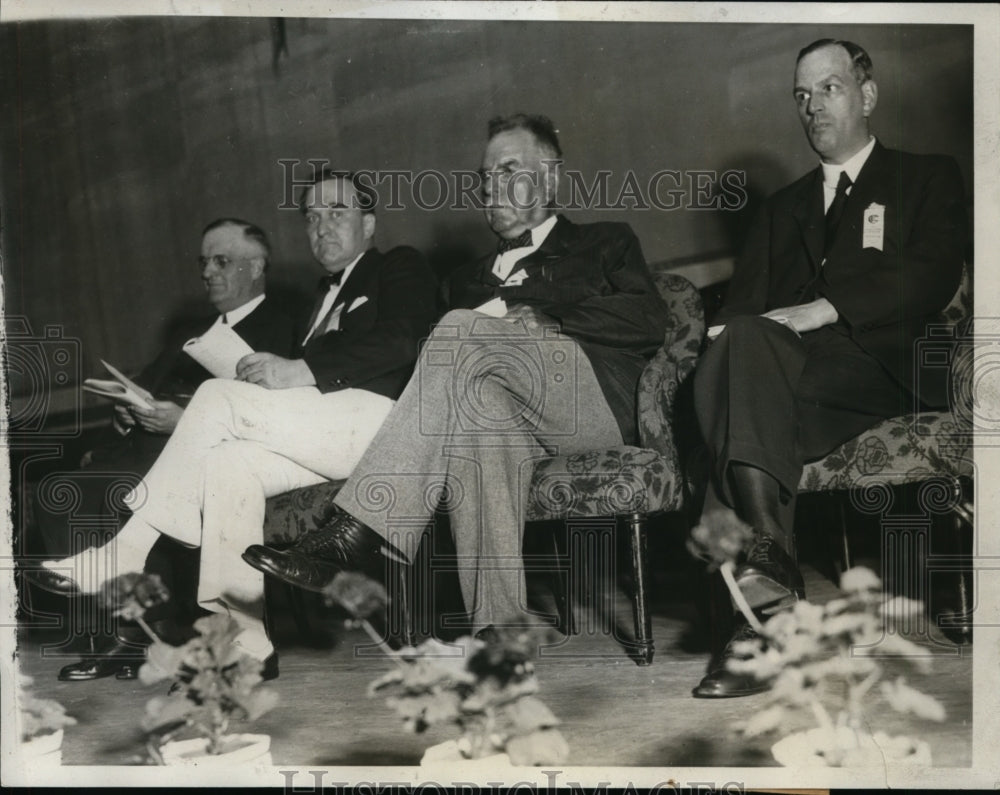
898,450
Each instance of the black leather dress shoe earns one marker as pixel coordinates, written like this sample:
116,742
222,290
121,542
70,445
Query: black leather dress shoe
720,682
345,544
52,581
123,660
769,578
488,635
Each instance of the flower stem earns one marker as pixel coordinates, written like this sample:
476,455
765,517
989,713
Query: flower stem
390,653
147,629
738,598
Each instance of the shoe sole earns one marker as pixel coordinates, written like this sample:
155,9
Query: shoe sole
122,672
763,592
698,693
267,568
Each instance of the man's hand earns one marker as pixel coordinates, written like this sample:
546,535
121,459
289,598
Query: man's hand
274,372
162,418
531,317
124,422
806,317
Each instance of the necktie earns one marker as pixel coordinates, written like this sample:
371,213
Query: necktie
224,321
523,240
836,211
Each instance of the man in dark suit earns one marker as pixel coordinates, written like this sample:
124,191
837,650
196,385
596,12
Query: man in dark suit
285,422
539,356
233,264
816,338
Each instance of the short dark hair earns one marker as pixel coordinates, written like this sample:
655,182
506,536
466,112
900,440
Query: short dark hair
367,197
862,62
539,126
250,232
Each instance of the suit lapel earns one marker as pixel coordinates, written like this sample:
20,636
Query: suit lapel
807,210
869,187
357,281
349,290
553,248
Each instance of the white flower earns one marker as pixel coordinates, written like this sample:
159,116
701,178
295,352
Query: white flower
859,579
903,698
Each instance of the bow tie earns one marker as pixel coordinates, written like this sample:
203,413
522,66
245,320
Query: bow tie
523,240
330,280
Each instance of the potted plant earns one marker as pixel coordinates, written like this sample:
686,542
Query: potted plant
215,682
484,689
42,720
41,725
824,662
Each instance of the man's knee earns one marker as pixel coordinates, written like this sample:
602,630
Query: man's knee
455,320
235,460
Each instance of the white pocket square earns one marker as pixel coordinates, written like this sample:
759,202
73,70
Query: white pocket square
361,299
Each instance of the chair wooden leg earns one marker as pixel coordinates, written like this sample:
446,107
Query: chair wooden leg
845,547
560,588
957,625
300,612
406,619
640,604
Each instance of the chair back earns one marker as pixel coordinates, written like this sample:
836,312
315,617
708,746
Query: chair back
671,366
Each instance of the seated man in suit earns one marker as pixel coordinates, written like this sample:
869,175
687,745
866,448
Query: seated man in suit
539,356
285,423
233,264
837,281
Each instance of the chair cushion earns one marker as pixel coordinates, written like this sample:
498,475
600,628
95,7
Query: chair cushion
898,450
603,483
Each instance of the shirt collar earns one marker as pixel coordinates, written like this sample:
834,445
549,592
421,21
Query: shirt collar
234,316
540,232
831,173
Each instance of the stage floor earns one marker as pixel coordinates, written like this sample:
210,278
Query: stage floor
613,712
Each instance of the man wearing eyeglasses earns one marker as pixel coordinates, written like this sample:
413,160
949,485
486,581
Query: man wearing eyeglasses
286,422
233,264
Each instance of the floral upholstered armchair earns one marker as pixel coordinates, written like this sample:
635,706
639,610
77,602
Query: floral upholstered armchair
929,447
626,481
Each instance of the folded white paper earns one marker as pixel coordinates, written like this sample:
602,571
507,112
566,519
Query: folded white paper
122,389
218,350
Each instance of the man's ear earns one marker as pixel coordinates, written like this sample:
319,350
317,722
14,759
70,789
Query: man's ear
368,225
257,266
869,92
550,173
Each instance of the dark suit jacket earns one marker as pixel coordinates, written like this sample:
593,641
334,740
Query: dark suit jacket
884,297
593,280
377,343
175,376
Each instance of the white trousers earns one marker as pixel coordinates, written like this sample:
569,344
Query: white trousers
236,445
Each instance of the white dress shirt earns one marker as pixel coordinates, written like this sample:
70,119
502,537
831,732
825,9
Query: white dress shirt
503,266
831,173
234,316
